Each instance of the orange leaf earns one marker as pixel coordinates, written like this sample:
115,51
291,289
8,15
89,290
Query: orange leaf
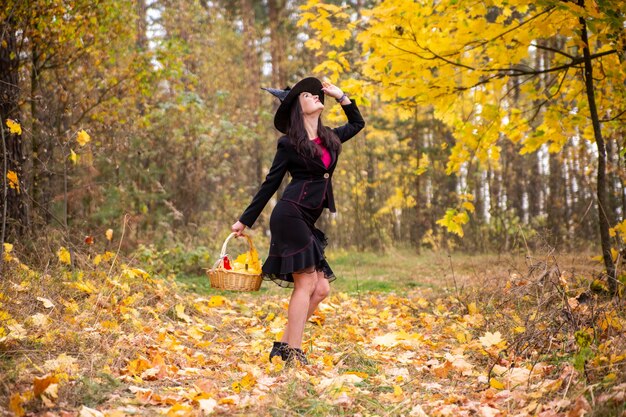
42,384
15,405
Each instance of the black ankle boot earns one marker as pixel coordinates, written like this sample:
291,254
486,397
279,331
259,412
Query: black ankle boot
296,354
279,349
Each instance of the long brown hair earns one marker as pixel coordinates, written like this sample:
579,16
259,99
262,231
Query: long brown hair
300,139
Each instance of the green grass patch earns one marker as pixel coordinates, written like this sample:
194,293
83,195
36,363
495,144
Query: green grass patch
356,272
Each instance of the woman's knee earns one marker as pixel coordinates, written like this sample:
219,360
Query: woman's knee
305,280
322,289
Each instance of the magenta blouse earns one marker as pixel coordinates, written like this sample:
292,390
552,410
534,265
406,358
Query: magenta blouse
325,154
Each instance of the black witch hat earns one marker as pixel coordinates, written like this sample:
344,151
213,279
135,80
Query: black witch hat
288,95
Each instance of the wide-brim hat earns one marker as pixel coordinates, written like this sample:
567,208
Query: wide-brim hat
289,95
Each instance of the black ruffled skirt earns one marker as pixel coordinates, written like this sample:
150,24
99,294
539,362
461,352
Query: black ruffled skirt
295,245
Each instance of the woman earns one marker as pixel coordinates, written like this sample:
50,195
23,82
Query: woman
309,152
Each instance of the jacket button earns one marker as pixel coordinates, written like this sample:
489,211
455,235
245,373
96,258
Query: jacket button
326,175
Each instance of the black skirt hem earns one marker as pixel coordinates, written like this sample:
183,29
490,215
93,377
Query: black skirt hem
280,269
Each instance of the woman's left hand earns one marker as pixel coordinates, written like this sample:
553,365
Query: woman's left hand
331,90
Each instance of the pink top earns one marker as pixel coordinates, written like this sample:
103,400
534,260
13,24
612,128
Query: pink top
325,154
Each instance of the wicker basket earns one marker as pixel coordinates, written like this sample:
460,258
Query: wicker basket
226,279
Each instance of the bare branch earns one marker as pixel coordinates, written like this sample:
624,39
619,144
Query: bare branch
556,51
519,71
548,10
613,118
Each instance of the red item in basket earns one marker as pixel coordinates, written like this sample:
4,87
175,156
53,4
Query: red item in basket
227,263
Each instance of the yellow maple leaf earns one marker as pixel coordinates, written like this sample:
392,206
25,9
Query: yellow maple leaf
180,313
386,340
490,339
87,287
13,181
472,309
14,127
64,256
619,228
247,262
468,206
179,410
494,383
216,301
107,256
83,138
246,383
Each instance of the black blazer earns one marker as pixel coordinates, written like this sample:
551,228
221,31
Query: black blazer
311,185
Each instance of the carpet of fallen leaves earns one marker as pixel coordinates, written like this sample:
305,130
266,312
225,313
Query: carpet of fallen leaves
105,340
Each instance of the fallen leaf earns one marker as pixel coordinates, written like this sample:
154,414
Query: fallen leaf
89,412
491,339
207,406
46,303
180,313
216,301
42,384
494,383
487,411
15,405
64,256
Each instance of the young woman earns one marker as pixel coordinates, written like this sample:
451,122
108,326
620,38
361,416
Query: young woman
309,152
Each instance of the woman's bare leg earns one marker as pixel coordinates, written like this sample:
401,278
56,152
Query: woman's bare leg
321,290
297,313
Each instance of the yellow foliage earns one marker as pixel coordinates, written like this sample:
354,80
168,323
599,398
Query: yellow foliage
13,180
14,127
64,256
494,383
491,339
247,262
619,229
453,221
15,405
73,157
216,301
83,138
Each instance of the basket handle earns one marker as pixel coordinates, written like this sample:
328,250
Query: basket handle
223,251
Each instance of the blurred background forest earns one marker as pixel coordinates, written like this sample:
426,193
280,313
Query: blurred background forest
149,113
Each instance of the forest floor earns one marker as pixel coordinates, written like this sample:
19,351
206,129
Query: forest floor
402,334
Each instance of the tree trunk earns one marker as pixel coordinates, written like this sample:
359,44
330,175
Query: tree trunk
277,42
13,157
556,201
253,77
603,222
613,182
416,230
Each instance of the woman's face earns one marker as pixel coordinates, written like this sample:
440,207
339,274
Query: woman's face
310,103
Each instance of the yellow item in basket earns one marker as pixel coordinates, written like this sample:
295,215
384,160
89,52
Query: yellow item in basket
251,259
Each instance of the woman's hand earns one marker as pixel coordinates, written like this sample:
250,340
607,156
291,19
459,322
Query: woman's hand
331,90
238,228
335,92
